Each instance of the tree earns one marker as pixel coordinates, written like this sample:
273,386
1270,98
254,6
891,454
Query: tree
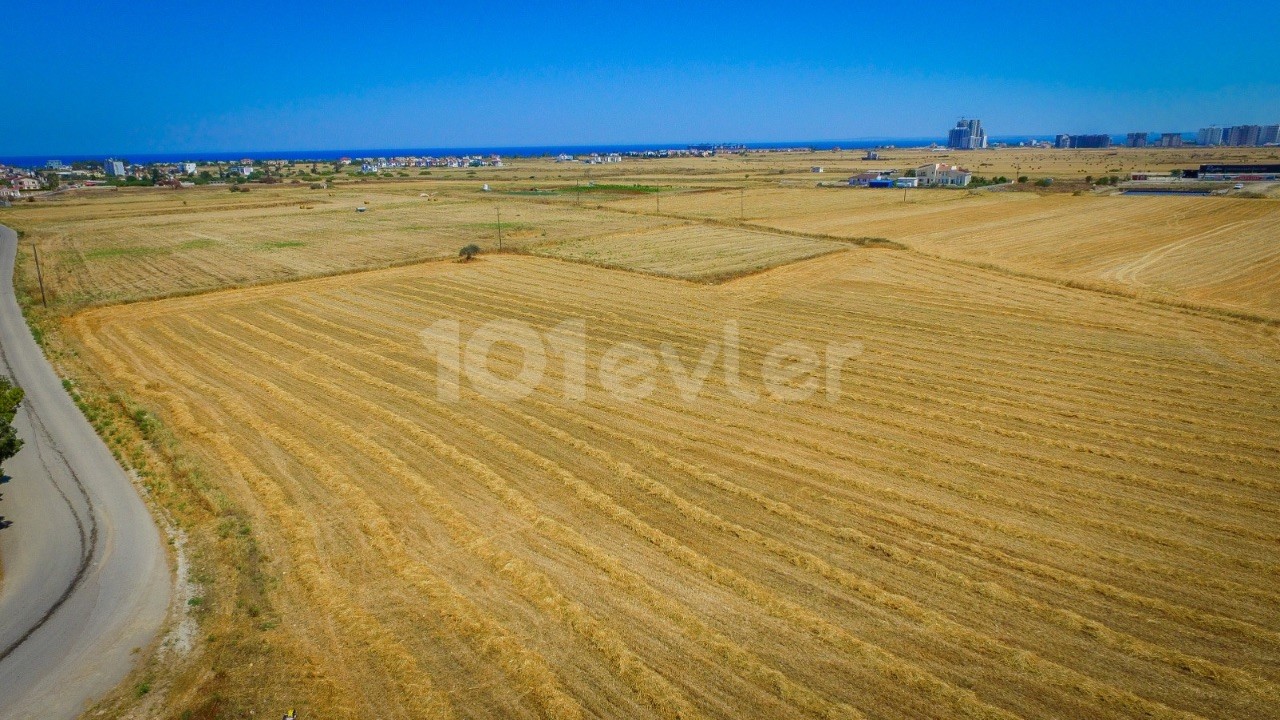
10,398
1022,178
469,251
51,180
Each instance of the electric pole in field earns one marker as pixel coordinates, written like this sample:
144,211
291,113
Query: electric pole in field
499,209
742,204
39,275
657,201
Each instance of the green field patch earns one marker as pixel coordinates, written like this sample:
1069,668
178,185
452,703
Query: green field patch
506,226
107,253
279,245
619,189
606,188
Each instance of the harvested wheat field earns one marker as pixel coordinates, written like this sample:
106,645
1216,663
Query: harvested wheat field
1222,252
693,252
1023,500
103,248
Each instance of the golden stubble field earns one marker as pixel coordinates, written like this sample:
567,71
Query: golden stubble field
102,246
1215,251
158,243
1025,500
1028,498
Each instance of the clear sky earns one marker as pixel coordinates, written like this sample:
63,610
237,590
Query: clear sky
223,75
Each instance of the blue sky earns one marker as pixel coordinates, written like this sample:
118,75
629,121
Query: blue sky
118,77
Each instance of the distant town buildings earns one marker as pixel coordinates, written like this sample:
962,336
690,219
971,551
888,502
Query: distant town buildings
1209,136
967,135
187,168
1239,135
1170,139
1242,135
1083,141
113,167
1136,139
871,155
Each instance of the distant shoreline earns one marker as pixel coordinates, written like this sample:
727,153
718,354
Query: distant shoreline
504,151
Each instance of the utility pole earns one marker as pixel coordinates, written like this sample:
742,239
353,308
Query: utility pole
39,275
499,209
742,211
657,201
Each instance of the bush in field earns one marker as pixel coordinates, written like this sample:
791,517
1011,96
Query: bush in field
469,251
10,398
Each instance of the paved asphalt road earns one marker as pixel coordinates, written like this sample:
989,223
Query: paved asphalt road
85,578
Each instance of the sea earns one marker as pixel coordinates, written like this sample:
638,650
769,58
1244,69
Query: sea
39,161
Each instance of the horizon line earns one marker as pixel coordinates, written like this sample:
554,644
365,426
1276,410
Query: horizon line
656,145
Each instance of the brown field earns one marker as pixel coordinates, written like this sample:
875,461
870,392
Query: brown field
1029,500
1047,485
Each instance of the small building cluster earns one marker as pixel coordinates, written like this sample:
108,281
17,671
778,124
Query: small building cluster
931,175
593,158
376,165
15,181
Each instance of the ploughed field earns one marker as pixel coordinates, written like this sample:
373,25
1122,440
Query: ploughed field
1022,499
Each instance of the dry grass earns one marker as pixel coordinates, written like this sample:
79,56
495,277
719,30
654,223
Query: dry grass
1030,500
